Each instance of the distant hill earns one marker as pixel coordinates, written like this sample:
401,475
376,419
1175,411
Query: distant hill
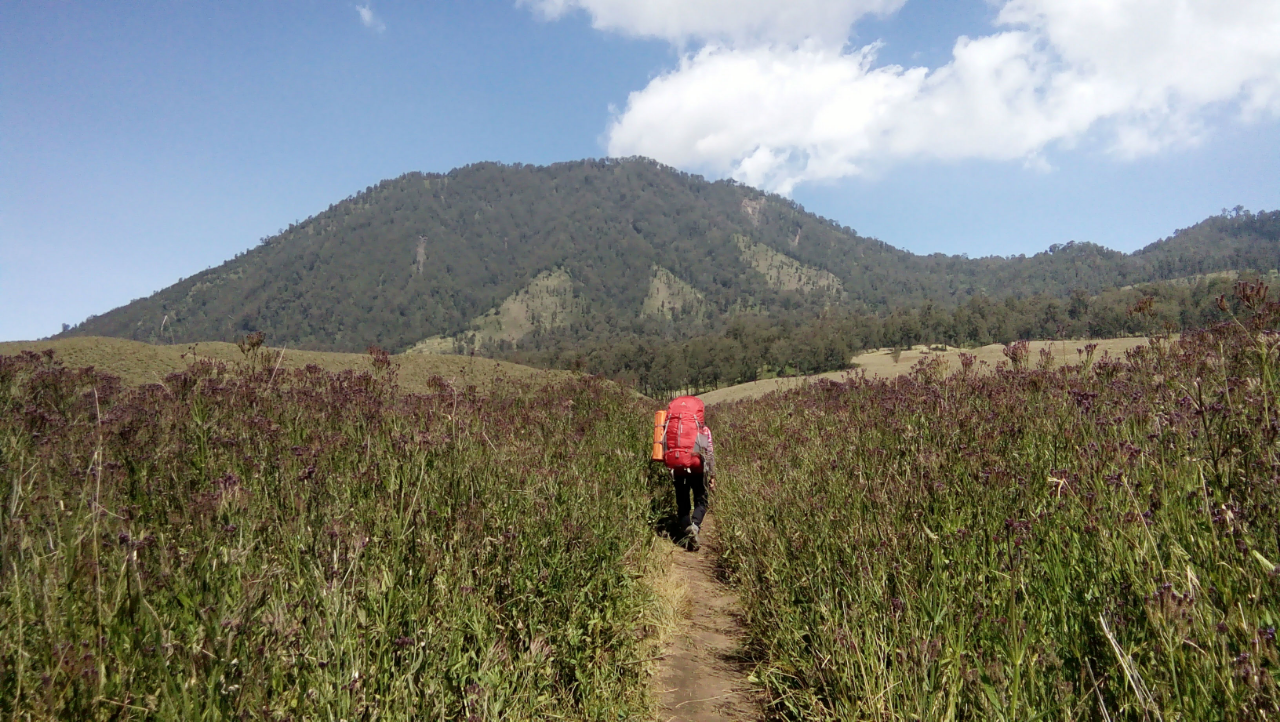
139,363
499,256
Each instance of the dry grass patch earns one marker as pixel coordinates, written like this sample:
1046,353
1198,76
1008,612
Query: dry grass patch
139,363
786,273
888,363
669,297
546,303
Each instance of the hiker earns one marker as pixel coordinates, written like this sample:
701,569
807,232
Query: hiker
687,449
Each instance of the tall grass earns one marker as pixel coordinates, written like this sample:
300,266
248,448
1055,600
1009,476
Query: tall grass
1090,542
260,543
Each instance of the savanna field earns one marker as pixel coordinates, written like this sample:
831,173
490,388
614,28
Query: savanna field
242,542
1092,541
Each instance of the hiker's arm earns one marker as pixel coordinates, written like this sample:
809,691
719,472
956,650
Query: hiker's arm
707,449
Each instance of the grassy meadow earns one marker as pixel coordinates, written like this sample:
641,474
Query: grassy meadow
1095,540
1026,533
244,541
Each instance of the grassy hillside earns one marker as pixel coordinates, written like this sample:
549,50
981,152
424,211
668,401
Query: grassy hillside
446,255
889,363
142,363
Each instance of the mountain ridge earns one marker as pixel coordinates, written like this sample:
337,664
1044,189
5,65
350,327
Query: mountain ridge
429,255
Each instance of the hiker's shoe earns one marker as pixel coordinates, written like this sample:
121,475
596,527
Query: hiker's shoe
691,536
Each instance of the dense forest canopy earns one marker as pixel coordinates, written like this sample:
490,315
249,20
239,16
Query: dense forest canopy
546,262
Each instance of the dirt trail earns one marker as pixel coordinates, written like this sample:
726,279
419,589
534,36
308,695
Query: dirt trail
704,675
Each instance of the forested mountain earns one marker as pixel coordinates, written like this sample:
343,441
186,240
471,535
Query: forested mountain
520,257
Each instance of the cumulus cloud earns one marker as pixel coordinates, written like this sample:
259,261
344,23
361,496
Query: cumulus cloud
681,21
777,108
369,19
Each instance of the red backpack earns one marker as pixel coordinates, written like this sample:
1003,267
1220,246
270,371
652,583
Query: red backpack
684,421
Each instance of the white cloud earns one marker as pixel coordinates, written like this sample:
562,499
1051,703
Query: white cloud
369,19
773,98
679,21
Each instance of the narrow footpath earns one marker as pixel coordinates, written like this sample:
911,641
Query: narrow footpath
703,677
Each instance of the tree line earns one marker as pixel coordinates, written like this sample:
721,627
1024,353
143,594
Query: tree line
751,347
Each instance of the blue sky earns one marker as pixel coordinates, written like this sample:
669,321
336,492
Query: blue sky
142,142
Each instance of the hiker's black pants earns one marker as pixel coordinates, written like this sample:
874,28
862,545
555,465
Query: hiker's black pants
690,482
